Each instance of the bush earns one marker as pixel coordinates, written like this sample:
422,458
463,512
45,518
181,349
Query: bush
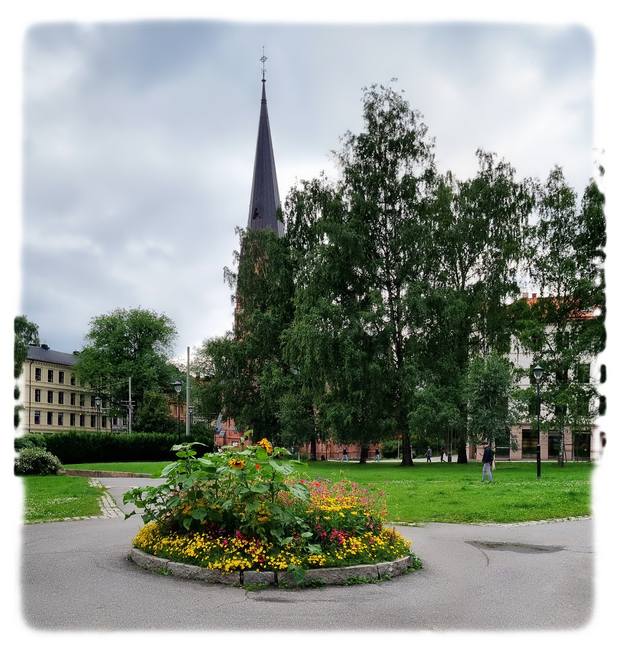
79,447
36,461
29,441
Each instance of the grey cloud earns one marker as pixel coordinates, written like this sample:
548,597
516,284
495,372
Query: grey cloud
140,139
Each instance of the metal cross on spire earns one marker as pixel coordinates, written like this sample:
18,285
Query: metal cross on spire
263,59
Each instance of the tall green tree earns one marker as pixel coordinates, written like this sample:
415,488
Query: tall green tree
491,400
127,343
365,237
564,329
26,333
478,231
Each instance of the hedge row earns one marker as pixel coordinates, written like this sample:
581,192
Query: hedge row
84,447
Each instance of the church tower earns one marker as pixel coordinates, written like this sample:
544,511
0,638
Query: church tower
264,198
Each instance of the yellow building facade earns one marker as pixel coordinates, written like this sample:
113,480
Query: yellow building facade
53,399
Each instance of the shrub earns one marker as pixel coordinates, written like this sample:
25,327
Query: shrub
78,447
36,461
29,441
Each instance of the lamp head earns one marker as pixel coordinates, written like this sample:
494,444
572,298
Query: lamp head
538,372
177,386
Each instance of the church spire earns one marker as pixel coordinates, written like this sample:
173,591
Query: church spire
264,198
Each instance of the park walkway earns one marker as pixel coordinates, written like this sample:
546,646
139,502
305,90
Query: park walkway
75,575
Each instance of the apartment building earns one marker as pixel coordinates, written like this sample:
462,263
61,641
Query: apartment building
53,399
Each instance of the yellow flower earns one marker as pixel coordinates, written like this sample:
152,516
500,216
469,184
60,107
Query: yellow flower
264,443
236,462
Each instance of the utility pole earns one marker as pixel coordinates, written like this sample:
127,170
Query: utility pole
130,408
187,418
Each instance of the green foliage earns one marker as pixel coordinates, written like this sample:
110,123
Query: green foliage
26,333
490,389
564,330
244,374
36,461
154,414
127,343
79,447
245,490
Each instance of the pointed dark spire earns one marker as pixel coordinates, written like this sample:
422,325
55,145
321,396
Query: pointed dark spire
264,199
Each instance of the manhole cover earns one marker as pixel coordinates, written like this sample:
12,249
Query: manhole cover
515,547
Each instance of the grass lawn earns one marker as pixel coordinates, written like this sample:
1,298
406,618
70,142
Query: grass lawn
53,497
145,468
450,492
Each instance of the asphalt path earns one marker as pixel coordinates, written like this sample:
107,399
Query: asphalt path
76,575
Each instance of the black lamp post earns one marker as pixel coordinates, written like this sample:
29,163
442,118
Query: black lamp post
538,372
98,405
177,387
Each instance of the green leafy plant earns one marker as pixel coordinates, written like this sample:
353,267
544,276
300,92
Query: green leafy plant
36,461
248,490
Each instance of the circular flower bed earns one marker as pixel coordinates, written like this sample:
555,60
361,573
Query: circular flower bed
248,510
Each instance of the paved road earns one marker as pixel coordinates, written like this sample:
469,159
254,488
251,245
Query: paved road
76,575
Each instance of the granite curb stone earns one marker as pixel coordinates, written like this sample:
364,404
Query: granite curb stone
321,576
259,578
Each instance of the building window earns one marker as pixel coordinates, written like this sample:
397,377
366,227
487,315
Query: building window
61,377
602,405
72,380
50,417
50,376
81,399
37,395
60,418
61,397
72,420
82,420
50,397
73,399
37,417
37,374
93,420
103,421
92,400
115,421
529,440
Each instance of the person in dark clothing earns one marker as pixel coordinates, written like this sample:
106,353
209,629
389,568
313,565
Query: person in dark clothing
345,455
429,454
443,453
487,462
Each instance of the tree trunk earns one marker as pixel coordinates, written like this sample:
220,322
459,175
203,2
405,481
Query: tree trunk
313,449
363,454
406,443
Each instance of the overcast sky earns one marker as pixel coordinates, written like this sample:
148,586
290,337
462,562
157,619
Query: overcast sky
140,138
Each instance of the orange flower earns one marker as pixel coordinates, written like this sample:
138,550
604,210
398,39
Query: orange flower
257,467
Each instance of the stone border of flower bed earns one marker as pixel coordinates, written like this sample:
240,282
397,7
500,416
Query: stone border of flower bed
322,576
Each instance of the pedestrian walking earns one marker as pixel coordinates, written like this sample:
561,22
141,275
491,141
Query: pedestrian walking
345,454
429,454
377,455
487,461
443,452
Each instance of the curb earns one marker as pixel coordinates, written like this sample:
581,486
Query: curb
322,576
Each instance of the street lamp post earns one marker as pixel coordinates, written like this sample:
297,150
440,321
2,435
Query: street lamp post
98,406
538,371
177,387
